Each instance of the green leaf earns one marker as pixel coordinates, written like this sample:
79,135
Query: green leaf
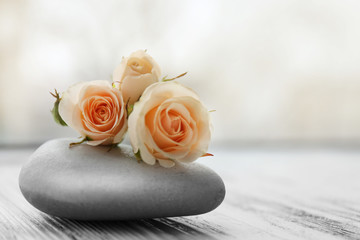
78,143
112,146
55,110
165,79
138,156
85,139
130,108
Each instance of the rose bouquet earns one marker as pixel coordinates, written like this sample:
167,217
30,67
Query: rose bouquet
166,121
166,124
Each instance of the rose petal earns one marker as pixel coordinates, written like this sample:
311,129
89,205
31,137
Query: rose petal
146,156
99,142
133,86
68,100
166,163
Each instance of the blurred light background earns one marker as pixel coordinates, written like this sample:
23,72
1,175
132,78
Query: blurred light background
275,71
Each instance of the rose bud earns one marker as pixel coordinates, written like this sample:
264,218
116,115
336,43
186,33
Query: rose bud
135,74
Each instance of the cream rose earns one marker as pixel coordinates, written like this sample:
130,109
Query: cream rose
169,123
96,110
134,74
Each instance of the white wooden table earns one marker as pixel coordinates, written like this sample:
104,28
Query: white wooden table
271,194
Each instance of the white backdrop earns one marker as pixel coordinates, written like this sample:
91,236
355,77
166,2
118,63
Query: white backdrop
273,70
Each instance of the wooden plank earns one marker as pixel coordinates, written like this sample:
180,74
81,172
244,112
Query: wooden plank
285,194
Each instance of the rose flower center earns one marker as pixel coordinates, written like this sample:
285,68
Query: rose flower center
98,111
139,65
172,124
169,127
102,113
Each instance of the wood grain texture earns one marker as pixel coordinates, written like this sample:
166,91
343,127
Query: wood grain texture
271,194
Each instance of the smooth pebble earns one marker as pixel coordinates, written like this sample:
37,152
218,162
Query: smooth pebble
92,183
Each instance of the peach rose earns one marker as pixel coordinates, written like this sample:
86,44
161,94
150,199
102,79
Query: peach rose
96,110
134,74
169,123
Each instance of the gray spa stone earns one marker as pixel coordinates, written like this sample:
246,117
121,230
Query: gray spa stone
90,183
